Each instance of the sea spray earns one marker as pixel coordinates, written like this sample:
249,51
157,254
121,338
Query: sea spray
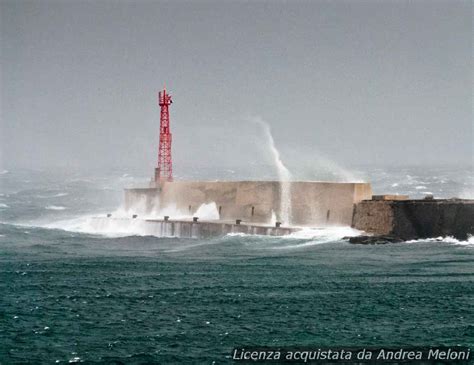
284,175
273,219
121,224
207,211
55,207
467,193
316,166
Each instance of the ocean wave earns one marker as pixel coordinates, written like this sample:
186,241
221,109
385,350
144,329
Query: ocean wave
3,205
327,233
446,239
238,234
112,228
124,227
81,224
55,207
88,224
52,196
317,236
332,233
303,238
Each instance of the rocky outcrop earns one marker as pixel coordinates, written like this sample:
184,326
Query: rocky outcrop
373,240
415,219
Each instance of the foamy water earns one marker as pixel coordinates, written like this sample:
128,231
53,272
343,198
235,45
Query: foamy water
58,195
206,211
447,239
55,207
122,225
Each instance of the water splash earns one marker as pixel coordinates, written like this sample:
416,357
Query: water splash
207,211
340,174
150,208
122,225
446,239
284,175
315,166
55,207
273,219
467,193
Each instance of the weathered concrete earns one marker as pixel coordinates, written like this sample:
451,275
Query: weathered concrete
312,203
182,228
413,219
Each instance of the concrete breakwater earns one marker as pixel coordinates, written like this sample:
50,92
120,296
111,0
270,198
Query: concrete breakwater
311,203
386,221
257,204
183,228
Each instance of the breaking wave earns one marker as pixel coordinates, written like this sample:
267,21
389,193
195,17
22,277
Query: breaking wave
305,237
122,225
58,195
447,239
55,207
327,233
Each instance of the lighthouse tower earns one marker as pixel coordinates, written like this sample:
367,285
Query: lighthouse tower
164,170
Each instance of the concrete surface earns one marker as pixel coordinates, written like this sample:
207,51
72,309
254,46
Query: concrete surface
312,203
182,228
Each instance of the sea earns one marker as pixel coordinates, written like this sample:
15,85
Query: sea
69,294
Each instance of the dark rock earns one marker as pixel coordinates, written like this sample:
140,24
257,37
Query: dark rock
374,240
414,219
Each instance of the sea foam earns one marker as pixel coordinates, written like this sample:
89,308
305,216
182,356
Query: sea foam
54,207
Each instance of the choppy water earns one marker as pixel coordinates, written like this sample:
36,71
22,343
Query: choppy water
69,296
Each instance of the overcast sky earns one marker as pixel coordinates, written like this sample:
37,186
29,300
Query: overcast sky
376,82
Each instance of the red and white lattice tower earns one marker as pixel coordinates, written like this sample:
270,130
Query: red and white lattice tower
164,170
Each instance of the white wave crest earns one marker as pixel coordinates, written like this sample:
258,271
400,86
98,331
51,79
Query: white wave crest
447,239
238,234
52,196
327,233
107,227
207,211
122,224
55,207
3,205
309,236
317,236
86,224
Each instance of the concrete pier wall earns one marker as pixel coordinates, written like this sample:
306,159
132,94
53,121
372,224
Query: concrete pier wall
312,203
413,219
180,228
